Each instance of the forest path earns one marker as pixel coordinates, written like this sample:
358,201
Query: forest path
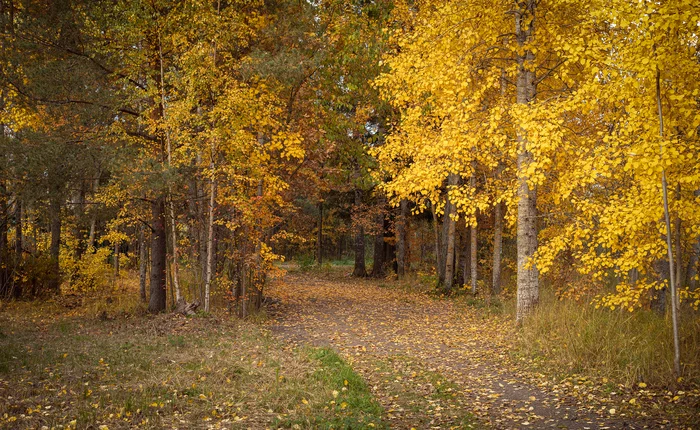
399,341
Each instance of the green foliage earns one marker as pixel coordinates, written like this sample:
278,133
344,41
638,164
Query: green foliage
349,405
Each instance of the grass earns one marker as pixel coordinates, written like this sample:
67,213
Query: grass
349,405
63,370
627,347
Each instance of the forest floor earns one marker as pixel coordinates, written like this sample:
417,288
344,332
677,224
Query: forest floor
100,368
333,352
439,363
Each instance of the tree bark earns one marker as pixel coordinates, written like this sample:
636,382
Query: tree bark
693,266
359,271
159,251
473,244
528,277
439,261
116,260
174,265
19,237
452,180
401,239
379,254
54,283
319,235
466,261
443,239
679,249
4,248
143,262
693,260
209,269
497,248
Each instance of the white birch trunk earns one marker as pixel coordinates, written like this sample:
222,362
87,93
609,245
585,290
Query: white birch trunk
528,277
209,269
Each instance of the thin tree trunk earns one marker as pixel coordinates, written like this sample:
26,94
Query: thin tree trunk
55,248
359,271
401,239
473,238
378,265
116,260
79,231
443,239
528,277
4,243
319,236
19,246
159,251
259,275
497,248
693,260
19,213
209,270
93,219
174,265
466,263
452,180
440,266
143,263
693,266
669,247
677,236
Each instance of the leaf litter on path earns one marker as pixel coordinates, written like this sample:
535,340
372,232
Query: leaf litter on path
404,343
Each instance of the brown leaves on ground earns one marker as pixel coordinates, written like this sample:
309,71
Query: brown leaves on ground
163,371
399,340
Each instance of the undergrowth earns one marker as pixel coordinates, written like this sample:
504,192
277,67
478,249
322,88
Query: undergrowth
628,347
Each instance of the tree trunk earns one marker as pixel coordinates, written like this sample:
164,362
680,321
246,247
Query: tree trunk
159,252
175,265
452,180
658,297
679,250
116,260
54,283
91,235
401,239
440,265
693,266
693,260
497,248
443,239
209,269
379,254
4,248
466,261
319,236
528,277
473,244
359,271
143,262
19,237
93,220
79,219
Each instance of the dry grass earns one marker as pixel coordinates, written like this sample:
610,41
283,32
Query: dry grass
619,345
71,369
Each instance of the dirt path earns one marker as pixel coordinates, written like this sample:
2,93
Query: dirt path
370,324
